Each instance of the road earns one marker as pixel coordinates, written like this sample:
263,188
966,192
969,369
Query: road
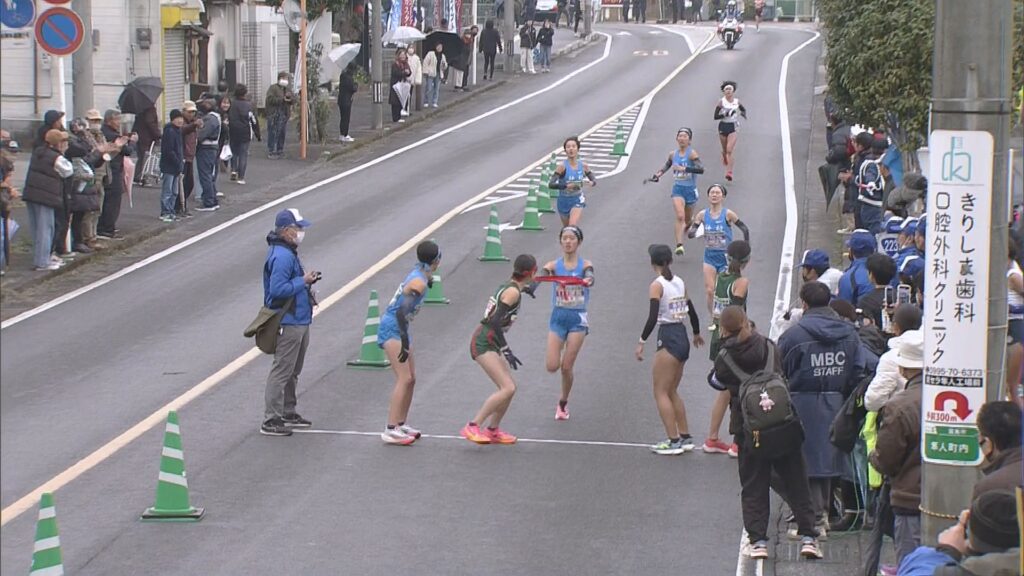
78,375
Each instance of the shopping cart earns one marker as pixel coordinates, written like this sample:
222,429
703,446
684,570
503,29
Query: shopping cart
151,167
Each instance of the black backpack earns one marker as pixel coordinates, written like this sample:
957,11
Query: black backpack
771,427
846,427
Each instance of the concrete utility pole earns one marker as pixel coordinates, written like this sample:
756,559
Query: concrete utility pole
509,33
376,66
588,17
81,62
304,89
971,91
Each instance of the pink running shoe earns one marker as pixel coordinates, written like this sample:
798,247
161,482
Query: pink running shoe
561,413
715,446
473,433
499,436
734,451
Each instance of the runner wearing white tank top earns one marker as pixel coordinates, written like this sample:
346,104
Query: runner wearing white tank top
727,112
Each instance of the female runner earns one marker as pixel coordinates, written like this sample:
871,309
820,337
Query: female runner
685,164
669,305
568,325
718,221
726,113
488,346
393,337
568,180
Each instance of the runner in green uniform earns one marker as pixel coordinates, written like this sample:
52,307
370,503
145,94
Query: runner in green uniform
731,289
488,346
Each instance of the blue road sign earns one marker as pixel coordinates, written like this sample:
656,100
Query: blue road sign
59,31
17,13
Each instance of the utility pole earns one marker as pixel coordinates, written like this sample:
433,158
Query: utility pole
81,62
303,89
971,91
588,17
509,33
376,66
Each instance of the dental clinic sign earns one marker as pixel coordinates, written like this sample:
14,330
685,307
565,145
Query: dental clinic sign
956,294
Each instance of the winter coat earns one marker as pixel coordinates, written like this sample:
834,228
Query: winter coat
750,355
283,279
430,64
897,453
172,151
887,380
855,282
209,134
116,162
1002,473
49,118
947,561
490,41
398,74
88,199
415,69
545,36
242,122
347,88
147,126
823,360
278,100
190,139
527,37
42,183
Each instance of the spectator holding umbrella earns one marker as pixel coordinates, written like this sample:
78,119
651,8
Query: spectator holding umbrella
347,88
243,126
147,126
400,72
416,75
114,189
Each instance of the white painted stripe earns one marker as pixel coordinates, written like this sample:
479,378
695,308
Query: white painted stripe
712,47
494,239
510,192
47,513
518,185
46,544
288,197
172,428
460,438
372,321
493,198
172,479
374,302
51,571
369,339
172,453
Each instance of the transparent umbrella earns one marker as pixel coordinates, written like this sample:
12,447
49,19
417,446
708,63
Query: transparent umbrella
403,35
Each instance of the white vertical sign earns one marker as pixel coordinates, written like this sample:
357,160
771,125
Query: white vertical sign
956,294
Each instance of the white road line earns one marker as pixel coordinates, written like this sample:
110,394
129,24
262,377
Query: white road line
302,191
782,293
461,439
712,47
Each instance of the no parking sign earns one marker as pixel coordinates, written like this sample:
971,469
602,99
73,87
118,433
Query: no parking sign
59,31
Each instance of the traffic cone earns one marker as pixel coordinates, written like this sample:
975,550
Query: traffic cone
370,355
531,218
552,163
544,194
619,147
172,502
492,248
46,556
435,292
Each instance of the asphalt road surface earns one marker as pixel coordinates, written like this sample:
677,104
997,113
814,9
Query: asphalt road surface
78,375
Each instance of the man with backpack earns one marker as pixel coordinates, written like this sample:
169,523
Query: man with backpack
766,429
823,361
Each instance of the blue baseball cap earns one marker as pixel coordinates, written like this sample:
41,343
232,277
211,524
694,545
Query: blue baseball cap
912,266
922,225
291,217
862,242
894,225
909,227
816,258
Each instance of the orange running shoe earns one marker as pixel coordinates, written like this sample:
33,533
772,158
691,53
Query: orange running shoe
473,433
499,436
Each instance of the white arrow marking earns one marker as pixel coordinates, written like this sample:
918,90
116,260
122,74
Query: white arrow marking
623,33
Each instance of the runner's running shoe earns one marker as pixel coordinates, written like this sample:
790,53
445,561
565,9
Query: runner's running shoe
687,444
397,437
734,451
715,446
668,448
473,433
561,413
410,431
680,250
499,436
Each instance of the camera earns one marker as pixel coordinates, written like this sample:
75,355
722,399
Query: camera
317,276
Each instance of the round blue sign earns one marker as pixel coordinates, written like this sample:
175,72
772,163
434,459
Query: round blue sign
17,13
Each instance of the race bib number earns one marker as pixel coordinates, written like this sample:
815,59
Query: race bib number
682,175
569,296
716,240
573,187
717,308
677,309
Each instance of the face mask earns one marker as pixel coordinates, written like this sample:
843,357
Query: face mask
299,236
282,82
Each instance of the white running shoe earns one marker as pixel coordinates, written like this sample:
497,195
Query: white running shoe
396,436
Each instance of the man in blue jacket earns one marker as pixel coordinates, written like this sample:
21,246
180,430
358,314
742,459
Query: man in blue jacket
855,282
172,164
285,284
823,360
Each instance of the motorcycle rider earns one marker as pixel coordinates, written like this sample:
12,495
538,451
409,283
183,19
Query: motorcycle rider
731,12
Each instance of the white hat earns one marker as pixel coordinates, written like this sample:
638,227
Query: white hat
911,350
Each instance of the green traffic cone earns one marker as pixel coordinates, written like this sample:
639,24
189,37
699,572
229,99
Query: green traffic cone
544,205
619,147
552,163
531,218
492,248
46,557
370,355
435,292
172,503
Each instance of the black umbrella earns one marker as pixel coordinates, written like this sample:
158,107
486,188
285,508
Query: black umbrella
829,174
451,43
140,94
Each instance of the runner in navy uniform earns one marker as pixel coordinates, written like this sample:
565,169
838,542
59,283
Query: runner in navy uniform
727,112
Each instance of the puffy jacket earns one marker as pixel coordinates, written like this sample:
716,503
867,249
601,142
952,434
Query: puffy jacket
1002,473
887,380
88,199
190,139
278,101
430,64
897,453
172,151
545,36
750,355
282,279
42,183
947,561
823,360
855,282
209,134
527,37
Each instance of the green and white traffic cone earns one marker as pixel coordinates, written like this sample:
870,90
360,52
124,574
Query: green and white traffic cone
46,557
435,292
370,355
172,503
531,218
552,163
619,147
544,194
492,248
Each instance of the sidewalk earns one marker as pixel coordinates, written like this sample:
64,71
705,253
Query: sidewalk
141,222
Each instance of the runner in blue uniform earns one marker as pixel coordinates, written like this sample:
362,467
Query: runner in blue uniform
568,179
685,165
393,337
568,325
718,222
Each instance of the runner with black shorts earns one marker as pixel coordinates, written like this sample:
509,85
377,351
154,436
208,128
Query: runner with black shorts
758,14
727,112
669,306
487,347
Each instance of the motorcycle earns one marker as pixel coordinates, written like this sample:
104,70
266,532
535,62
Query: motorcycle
729,30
